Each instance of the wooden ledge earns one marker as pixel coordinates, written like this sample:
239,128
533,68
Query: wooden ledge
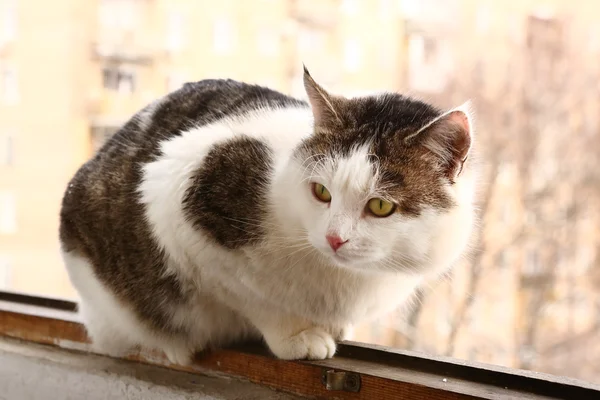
38,372
358,371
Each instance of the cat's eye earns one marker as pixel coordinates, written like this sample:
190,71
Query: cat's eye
380,207
321,192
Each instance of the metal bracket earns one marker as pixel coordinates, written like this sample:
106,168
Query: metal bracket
346,381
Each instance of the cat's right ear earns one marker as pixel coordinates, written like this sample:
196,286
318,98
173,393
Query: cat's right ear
449,138
325,106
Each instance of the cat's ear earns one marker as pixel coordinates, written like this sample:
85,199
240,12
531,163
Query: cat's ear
449,138
325,106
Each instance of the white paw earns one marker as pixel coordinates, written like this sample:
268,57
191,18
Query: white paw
311,344
115,351
112,346
179,354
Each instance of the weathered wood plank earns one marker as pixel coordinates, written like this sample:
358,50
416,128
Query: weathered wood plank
37,372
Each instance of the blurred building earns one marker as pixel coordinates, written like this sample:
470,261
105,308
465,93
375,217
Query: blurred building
45,68
71,72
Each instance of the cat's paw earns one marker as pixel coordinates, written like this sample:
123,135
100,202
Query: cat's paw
311,344
112,345
113,349
179,354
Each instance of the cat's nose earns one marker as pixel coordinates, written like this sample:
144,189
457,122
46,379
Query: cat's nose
335,241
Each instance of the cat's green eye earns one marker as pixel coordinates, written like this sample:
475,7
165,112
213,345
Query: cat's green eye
321,192
380,207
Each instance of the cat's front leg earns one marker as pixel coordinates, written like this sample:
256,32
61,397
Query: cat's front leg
178,353
312,344
294,339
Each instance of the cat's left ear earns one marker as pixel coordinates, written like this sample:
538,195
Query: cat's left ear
449,138
325,106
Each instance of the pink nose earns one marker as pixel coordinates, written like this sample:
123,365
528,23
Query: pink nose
335,241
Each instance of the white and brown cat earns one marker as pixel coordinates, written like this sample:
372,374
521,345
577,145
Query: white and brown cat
226,211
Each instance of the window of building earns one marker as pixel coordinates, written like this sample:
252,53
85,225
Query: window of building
110,78
119,79
126,82
8,213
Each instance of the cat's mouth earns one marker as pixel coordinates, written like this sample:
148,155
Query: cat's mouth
343,260
353,261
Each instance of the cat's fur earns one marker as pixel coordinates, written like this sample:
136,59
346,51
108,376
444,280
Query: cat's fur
195,225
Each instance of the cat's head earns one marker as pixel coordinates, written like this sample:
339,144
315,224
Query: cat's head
383,182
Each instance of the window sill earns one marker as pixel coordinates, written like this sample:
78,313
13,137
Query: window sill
32,371
372,372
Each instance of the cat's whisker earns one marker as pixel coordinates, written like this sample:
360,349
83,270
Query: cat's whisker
284,240
290,267
261,224
289,255
272,243
313,163
424,257
276,242
315,166
284,248
313,156
400,266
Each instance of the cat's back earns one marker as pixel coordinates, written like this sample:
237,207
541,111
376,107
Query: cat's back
194,105
105,188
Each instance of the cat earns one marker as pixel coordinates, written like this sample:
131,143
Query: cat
225,212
